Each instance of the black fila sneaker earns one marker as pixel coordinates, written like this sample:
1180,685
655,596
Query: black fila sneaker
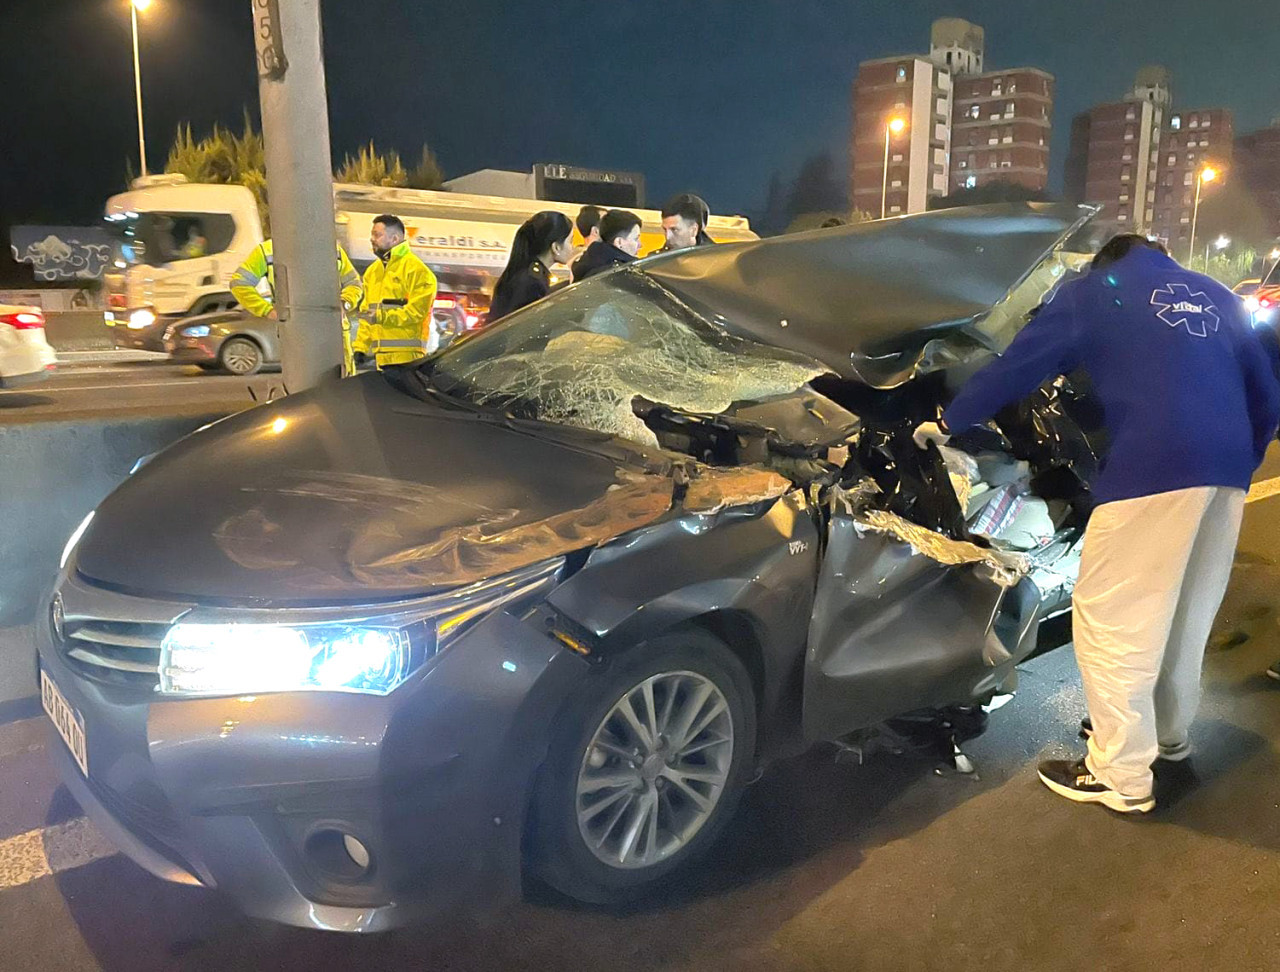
1072,779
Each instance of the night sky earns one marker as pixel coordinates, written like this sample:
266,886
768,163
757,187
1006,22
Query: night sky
708,95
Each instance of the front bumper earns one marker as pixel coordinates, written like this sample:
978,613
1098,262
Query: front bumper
243,794
149,338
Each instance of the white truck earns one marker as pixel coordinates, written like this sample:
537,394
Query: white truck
178,244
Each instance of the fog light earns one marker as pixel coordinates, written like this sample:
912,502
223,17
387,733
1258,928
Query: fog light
338,855
358,853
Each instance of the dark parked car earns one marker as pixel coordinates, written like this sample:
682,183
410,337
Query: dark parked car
232,341
547,601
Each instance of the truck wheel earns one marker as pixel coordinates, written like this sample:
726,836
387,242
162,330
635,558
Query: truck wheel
645,770
240,356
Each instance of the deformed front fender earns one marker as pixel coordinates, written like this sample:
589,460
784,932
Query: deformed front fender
757,564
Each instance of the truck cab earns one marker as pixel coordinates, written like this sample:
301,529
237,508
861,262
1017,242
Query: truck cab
176,246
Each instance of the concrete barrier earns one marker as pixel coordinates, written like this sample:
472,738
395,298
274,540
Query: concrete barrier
51,475
77,331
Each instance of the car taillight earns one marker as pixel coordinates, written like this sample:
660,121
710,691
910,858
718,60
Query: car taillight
1265,301
23,320
116,300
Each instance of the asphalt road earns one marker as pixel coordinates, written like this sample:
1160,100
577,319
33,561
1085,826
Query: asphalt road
899,863
94,383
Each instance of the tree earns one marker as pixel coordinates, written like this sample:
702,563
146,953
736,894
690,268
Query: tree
1000,191
223,158
373,168
817,188
427,174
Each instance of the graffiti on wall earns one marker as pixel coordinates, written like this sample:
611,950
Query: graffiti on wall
62,252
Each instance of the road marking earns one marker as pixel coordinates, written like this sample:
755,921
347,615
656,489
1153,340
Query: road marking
1262,490
51,850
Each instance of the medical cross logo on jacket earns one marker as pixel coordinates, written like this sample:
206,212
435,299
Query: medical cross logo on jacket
1176,305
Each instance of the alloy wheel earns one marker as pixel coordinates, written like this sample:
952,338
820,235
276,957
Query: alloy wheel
655,769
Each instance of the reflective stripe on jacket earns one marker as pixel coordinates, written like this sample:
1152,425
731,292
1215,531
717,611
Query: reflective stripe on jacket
261,266
398,296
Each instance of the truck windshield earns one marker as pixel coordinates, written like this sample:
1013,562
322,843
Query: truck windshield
156,239
582,356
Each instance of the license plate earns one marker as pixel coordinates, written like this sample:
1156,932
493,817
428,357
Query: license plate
68,722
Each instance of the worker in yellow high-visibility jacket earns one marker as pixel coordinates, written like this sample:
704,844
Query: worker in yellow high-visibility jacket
261,266
399,291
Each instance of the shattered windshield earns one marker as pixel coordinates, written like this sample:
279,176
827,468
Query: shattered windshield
582,356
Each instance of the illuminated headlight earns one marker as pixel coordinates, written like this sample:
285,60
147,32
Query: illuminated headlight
141,318
369,654
1266,315
197,331
1251,304
249,659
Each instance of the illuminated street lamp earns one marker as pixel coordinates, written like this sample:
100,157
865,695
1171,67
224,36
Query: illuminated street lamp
134,7
1220,244
894,127
1207,174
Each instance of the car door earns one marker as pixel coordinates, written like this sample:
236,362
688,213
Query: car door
896,628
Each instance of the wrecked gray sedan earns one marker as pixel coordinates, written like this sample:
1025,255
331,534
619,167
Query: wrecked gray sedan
543,603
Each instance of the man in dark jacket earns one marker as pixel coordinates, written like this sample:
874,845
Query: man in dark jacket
684,221
1191,403
619,243
588,226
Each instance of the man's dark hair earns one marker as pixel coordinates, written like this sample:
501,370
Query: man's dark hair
588,219
1118,247
690,207
391,222
617,222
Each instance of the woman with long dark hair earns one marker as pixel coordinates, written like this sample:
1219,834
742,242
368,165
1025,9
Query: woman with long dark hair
544,238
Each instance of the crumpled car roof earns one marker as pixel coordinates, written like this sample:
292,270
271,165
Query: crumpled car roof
851,295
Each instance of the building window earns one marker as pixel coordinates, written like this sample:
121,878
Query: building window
974,111
1148,215
1194,122
898,157
896,184
1124,197
996,90
963,164
1176,123
1128,133
1186,199
1185,219
1041,141
1126,174
1008,109
895,209
971,182
1128,155
993,140
902,74
1186,179
1205,123
1130,115
1204,143
1123,216
1173,160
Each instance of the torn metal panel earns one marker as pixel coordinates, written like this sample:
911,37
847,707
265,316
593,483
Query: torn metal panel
716,489
895,630
868,299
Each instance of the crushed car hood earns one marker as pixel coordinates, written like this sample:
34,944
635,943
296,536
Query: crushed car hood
865,299
353,491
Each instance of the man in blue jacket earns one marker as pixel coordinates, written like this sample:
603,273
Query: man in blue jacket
1191,403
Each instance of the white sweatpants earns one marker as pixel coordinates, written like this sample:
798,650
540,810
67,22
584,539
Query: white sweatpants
1152,576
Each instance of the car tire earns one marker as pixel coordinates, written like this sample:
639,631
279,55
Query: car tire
588,861
240,356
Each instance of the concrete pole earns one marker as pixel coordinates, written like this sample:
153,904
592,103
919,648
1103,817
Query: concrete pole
137,88
295,128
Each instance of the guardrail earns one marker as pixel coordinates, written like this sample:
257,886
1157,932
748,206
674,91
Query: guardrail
52,474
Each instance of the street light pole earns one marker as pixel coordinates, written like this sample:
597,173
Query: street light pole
1206,174
892,126
134,7
295,128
